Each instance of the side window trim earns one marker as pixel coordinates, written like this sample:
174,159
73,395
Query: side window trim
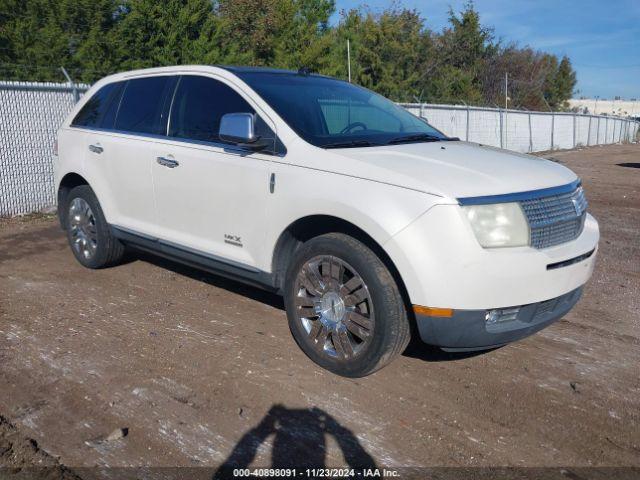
279,151
124,89
150,136
226,146
173,98
167,103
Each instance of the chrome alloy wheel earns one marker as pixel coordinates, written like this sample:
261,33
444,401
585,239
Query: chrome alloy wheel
334,307
82,224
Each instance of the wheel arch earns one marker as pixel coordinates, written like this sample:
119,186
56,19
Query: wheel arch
67,183
311,226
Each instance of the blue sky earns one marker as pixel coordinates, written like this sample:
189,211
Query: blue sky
602,38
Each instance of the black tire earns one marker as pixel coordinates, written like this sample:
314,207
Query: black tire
390,331
108,249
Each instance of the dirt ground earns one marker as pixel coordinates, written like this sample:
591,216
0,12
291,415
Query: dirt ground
202,371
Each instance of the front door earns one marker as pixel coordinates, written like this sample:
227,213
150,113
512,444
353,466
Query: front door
211,198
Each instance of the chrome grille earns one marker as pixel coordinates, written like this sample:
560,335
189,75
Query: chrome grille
555,219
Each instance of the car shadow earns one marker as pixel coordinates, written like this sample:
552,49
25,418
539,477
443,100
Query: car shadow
419,350
416,348
629,164
298,440
22,244
212,279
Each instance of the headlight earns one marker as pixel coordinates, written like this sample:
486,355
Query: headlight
499,224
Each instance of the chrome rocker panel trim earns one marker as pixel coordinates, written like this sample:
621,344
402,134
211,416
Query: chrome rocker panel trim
197,259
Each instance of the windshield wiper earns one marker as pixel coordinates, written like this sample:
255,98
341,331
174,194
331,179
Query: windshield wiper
419,137
350,144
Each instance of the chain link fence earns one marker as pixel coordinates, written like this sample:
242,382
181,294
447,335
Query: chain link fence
525,131
30,114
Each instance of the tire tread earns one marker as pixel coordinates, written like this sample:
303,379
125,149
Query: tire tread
110,250
394,312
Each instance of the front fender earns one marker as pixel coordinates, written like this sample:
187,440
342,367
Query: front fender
380,210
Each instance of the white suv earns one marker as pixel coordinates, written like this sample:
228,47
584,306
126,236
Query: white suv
371,223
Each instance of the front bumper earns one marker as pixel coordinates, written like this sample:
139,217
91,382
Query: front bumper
468,330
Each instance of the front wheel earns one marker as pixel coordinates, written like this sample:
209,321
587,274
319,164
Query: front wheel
344,308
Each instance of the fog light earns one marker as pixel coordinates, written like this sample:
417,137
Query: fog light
501,315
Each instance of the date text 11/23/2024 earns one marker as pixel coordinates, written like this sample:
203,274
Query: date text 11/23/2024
316,472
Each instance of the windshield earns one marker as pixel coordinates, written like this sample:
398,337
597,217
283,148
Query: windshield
330,113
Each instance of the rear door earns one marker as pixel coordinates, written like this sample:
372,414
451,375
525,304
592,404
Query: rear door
121,154
211,196
85,143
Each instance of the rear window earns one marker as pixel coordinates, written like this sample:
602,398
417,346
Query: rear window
100,110
143,105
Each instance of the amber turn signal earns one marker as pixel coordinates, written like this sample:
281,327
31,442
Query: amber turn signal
433,312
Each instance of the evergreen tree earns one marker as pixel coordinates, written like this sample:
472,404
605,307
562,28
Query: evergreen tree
43,35
564,83
152,33
387,51
392,52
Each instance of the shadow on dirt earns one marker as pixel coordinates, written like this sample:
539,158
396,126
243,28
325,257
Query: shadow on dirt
30,242
22,458
233,286
299,440
629,164
416,349
421,351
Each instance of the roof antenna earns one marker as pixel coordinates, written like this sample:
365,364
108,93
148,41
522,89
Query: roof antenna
305,71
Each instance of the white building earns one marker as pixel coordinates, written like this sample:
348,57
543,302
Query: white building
599,106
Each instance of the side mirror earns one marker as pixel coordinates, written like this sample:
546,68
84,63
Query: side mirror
239,129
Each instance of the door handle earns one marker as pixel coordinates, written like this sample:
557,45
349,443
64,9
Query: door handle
96,148
167,162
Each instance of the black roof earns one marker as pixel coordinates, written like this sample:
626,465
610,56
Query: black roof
240,69
245,69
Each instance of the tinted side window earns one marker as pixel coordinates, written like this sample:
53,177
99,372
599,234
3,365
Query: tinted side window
109,118
198,106
100,108
142,105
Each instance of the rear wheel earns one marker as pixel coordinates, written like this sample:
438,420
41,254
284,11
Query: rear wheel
344,307
88,233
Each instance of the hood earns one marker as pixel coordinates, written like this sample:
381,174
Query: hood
450,169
